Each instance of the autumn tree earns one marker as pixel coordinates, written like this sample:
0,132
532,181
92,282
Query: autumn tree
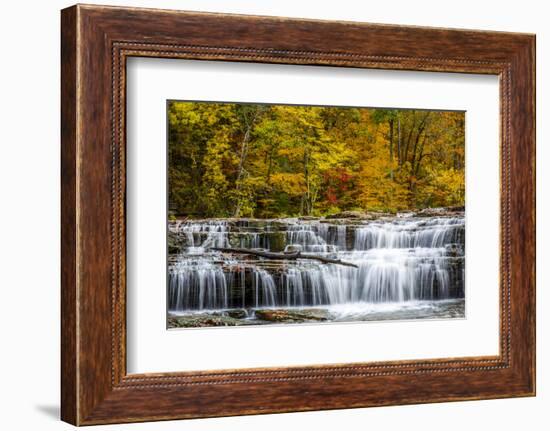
246,160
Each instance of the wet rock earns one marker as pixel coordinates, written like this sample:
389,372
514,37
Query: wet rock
440,212
175,242
238,313
201,320
294,248
292,316
311,314
348,214
454,250
358,215
277,241
375,215
272,315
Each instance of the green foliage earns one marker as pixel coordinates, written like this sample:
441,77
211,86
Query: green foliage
274,161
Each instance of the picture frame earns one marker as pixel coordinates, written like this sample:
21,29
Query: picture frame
96,42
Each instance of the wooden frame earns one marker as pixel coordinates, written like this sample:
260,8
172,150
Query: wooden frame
96,41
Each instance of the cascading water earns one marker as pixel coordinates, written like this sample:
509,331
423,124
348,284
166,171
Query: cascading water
197,284
305,235
399,260
403,233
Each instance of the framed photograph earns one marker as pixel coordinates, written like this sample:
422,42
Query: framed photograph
280,207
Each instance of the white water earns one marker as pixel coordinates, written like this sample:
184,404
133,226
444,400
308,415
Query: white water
399,261
206,234
404,233
197,284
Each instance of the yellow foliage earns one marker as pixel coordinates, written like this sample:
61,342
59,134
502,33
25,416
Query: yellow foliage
255,160
290,183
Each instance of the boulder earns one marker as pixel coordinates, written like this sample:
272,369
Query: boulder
238,313
292,316
293,248
201,321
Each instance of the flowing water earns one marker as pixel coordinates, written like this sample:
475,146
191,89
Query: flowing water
406,266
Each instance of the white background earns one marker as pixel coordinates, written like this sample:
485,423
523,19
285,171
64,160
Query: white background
151,348
29,224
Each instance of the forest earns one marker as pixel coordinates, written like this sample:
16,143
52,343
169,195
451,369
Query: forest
271,161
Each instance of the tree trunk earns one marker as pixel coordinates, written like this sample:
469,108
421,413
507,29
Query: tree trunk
269,165
399,141
420,156
405,155
391,147
242,159
283,256
421,129
307,197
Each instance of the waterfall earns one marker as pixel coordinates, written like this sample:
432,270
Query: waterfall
205,234
316,237
197,284
264,287
404,233
341,236
305,235
398,260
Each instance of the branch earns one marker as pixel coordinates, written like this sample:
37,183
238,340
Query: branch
284,256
